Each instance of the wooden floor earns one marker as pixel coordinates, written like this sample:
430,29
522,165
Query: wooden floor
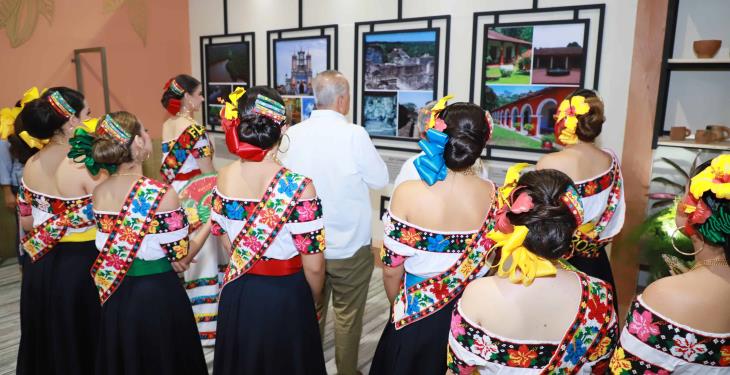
376,314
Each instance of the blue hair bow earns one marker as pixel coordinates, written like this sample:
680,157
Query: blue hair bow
431,167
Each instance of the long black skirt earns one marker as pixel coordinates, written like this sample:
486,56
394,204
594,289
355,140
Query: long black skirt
418,348
599,267
59,312
268,325
148,327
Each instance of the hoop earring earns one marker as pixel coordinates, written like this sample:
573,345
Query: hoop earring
288,143
672,237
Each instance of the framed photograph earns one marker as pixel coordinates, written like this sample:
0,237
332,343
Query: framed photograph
308,105
227,62
400,60
409,104
297,61
380,113
293,108
526,67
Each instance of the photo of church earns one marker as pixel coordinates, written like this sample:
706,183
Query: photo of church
297,62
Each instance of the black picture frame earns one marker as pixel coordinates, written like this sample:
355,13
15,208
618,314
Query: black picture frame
396,26
550,15
249,40
326,38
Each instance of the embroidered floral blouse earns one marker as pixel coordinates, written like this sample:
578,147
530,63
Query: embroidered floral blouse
653,344
43,207
302,234
585,347
167,234
595,193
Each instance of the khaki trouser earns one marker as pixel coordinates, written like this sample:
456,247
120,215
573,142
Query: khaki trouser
347,281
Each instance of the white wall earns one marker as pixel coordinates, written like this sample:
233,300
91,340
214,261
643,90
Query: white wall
206,17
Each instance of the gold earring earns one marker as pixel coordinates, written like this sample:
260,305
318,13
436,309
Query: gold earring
672,239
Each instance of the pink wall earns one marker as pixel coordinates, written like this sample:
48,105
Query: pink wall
137,72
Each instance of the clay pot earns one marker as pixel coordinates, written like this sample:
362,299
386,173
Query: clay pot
679,133
719,132
704,136
706,49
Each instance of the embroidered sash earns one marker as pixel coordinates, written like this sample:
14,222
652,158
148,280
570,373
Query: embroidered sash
121,247
265,222
183,147
430,295
44,237
592,335
586,241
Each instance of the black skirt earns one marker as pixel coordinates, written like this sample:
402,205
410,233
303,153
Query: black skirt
59,312
418,348
148,327
268,325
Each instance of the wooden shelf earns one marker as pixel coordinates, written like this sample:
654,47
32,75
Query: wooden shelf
698,64
690,143
698,61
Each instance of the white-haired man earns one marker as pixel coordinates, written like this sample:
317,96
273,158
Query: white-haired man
342,162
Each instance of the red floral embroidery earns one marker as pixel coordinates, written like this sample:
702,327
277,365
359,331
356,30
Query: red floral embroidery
302,243
107,224
440,290
252,243
410,236
127,234
184,139
725,356
45,237
597,309
268,217
58,206
115,261
522,357
591,188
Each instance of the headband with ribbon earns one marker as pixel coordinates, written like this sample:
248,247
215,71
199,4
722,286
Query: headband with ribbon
567,120
60,105
109,126
8,115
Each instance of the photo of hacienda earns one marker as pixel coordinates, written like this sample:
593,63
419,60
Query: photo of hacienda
524,115
508,55
558,54
400,60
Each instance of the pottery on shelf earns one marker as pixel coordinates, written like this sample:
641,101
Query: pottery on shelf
706,49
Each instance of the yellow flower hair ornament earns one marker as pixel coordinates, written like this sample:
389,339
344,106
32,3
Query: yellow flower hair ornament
8,115
524,266
510,183
229,112
567,118
715,178
433,122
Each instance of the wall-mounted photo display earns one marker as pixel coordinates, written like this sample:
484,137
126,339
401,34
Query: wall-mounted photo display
296,56
401,65
526,63
400,77
227,62
527,70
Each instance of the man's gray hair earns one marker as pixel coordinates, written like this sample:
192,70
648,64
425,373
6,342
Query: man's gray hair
328,86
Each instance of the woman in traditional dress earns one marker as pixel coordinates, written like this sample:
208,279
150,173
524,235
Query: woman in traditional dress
59,312
147,324
186,153
271,220
538,315
434,242
681,324
597,176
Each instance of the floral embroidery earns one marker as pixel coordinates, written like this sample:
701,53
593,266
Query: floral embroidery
601,349
268,217
424,240
302,243
410,236
306,211
522,357
310,243
484,347
115,261
725,356
619,363
687,347
175,220
160,223
391,259
642,326
176,250
178,151
106,224
457,329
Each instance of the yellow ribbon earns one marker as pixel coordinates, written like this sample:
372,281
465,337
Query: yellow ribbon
523,260
90,125
8,115
510,182
715,178
437,108
568,110
231,109
32,141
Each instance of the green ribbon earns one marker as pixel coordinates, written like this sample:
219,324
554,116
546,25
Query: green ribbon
81,144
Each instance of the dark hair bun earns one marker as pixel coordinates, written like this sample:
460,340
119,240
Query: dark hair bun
550,222
41,121
255,129
468,132
590,124
188,83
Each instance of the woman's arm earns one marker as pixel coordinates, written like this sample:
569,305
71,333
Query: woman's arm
196,243
314,266
392,277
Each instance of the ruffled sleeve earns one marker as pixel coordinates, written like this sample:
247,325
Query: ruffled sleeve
398,242
307,227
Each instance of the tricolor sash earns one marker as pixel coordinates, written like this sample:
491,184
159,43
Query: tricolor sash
428,296
131,226
265,222
179,152
42,238
586,240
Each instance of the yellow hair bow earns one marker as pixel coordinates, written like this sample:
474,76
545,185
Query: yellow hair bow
437,108
523,260
568,110
90,125
32,141
8,115
715,178
30,95
510,182
230,112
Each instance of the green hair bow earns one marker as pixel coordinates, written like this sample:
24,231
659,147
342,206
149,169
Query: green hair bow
81,145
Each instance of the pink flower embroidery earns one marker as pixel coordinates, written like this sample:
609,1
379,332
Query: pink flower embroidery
642,326
302,243
306,211
687,347
457,329
174,221
115,261
251,243
660,372
484,347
